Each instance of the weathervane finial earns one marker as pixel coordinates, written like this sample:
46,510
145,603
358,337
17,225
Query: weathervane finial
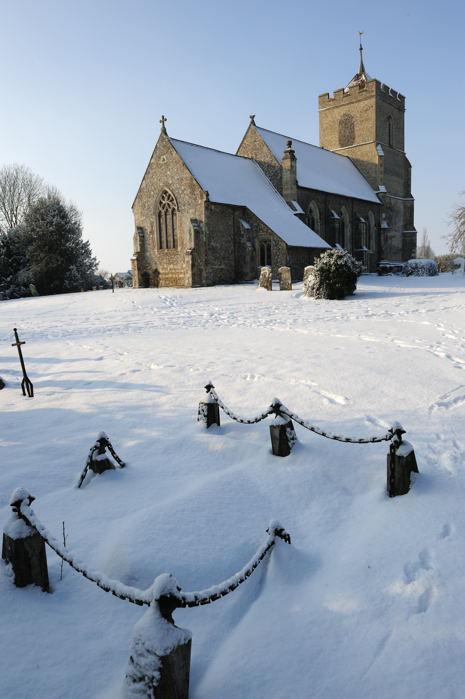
361,70
163,121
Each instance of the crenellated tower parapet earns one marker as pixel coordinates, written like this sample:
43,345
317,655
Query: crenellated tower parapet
366,121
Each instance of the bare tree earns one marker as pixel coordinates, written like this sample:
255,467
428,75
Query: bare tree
424,251
19,189
456,239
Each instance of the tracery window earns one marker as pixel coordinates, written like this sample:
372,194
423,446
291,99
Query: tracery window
167,221
265,254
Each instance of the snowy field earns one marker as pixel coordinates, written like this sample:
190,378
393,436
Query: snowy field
368,602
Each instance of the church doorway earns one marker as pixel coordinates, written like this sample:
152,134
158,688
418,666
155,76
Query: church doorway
145,280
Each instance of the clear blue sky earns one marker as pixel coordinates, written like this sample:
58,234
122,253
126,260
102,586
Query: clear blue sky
83,85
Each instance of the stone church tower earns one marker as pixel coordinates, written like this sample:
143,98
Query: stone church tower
365,121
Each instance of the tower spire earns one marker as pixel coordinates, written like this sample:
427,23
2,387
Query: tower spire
361,77
361,70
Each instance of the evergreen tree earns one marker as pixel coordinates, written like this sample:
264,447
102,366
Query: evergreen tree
334,276
14,274
59,260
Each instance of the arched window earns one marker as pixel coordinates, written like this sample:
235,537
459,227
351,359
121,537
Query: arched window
371,232
346,231
167,221
389,130
313,217
265,254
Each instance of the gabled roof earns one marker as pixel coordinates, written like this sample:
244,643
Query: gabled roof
232,179
318,168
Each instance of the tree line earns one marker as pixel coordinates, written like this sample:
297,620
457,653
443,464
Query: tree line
42,250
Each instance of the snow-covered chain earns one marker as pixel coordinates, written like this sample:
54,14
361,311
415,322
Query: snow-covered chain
339,438
131,594
196,599
277,408
233,416
141,597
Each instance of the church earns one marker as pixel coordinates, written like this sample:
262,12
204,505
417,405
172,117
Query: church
204,216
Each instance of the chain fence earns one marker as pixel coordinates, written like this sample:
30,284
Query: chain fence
277,408
145,597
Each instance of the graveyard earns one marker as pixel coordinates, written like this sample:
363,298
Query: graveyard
333,588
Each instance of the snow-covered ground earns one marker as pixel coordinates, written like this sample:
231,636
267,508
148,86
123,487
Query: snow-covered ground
369,601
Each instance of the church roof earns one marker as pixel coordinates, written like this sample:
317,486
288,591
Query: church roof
232,179
318,168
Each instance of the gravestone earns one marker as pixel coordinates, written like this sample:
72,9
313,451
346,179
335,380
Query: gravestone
308,271
265,281
285,281
308,280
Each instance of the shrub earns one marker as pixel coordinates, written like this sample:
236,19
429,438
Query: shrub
421,268
334,276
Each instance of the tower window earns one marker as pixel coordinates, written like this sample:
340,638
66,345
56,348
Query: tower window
167,221
389,131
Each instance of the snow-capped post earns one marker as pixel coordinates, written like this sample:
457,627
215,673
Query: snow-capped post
282,433
209,410
160,656
97,459
23,547
285,281
266,280
401,462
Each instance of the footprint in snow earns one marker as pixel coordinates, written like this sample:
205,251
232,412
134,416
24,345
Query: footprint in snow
451,400
446,531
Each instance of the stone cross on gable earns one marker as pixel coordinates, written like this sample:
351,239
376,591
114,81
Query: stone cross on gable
163,121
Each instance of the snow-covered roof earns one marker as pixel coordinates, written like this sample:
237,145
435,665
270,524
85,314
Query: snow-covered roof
318,168
232,179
